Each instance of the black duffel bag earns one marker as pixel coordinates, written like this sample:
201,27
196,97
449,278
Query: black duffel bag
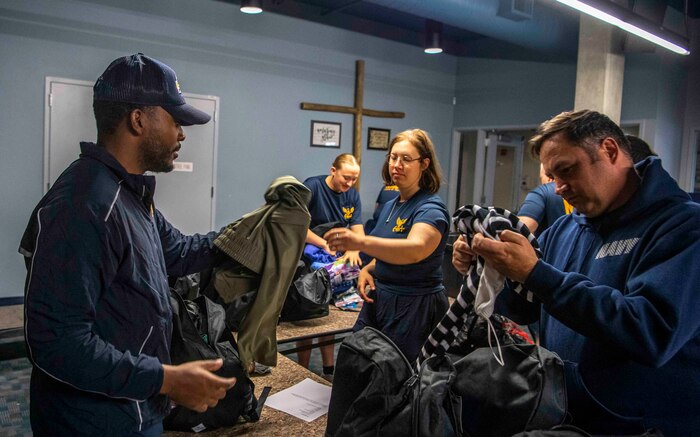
200,333
376,391
310,292
308,296
527,392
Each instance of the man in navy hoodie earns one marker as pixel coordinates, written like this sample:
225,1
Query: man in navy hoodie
98,253
617,283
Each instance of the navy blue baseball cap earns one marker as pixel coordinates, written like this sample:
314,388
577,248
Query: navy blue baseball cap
140,80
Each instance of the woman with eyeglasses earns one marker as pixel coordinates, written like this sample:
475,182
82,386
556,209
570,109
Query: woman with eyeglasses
402,285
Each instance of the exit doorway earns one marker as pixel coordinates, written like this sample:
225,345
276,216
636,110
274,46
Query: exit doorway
495,167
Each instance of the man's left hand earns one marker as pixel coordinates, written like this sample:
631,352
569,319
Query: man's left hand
513,256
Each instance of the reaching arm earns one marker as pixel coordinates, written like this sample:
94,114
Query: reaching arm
317,241
533,210
184,254
531,224
421,241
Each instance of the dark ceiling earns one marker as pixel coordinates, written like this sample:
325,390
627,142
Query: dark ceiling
506,29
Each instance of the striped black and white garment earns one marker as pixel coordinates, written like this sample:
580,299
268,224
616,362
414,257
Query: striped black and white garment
470,220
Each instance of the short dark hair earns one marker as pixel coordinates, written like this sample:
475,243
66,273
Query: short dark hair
431,178
639,149
585,129
108,115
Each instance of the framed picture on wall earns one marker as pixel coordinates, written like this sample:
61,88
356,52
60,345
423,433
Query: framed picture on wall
378,139
325,134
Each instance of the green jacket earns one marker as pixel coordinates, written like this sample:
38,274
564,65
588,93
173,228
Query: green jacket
269,241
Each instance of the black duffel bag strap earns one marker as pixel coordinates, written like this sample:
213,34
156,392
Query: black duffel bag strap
470,220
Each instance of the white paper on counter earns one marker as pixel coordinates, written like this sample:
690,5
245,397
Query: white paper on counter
307,400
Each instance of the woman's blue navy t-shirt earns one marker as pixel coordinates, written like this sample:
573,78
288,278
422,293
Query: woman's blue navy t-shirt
395,221
544,206
328,206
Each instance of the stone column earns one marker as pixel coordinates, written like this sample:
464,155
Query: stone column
600,69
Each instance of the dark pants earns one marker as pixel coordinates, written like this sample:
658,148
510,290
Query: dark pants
406,320
153,431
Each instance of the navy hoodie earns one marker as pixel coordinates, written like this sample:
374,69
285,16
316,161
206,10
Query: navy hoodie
621,305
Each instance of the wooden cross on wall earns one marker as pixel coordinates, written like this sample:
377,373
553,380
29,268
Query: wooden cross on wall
358,111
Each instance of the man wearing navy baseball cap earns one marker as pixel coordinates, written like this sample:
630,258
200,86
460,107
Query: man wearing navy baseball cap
98,256
141,80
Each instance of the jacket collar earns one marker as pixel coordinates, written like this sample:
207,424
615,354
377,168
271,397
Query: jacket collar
142,185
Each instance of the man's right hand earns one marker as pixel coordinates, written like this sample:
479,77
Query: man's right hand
462,255
194,386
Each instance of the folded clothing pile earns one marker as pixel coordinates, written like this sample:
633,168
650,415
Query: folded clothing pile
349,300
343,276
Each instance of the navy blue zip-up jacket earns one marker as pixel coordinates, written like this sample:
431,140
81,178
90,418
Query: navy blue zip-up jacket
97,310
621,300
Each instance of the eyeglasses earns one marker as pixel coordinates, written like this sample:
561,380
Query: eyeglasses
405,159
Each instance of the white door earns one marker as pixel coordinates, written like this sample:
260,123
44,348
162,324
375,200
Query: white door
499,161
185,196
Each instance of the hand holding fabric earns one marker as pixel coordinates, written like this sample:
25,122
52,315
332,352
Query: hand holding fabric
513,256
462,255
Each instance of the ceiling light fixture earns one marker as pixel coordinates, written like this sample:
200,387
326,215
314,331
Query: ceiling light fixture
626,20
251,6
433,37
